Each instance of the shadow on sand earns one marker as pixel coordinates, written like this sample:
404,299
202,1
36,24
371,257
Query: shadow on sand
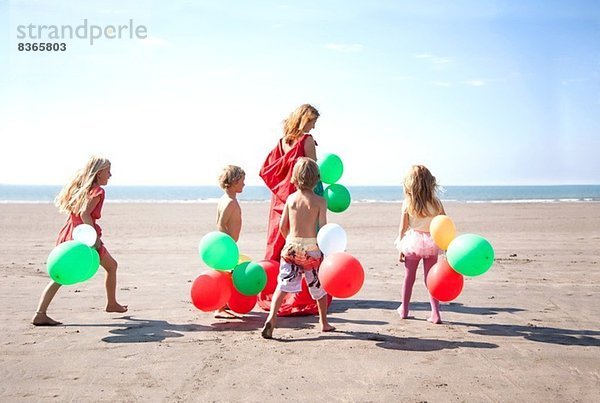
143,330
542,334
342,305
395,343
136,330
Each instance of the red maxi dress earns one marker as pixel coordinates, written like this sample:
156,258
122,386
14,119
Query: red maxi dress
66,232
277,173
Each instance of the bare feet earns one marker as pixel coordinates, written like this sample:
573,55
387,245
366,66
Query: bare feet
402,312
116,307
436,320
42,319
225,314
267,331
327,328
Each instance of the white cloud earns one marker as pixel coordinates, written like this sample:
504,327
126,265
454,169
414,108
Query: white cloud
434,59
568,81
345,47
476,83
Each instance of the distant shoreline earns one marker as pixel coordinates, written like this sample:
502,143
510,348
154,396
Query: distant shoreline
359,194
361,202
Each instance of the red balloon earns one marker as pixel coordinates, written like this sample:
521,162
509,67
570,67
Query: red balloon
211,290
241,303
341,275
272,269
443,282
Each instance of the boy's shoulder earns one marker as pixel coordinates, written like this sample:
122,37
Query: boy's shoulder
227,202
292,197
312,197
321,201
317,198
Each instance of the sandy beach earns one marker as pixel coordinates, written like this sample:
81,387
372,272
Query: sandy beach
527,330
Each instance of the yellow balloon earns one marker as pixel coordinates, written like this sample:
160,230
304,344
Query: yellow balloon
244,258
442,231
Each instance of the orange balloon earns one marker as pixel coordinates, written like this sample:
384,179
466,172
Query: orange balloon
442,231
244,258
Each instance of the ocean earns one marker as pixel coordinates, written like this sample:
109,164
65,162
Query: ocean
359,194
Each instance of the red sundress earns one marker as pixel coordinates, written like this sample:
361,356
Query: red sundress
66,232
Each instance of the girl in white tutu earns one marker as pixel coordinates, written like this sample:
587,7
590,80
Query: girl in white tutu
414,242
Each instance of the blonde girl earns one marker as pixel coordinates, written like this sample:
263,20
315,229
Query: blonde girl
414,241
82,199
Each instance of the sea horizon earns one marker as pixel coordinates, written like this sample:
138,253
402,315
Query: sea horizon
360,194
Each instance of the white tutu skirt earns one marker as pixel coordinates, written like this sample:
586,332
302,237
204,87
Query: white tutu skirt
417,243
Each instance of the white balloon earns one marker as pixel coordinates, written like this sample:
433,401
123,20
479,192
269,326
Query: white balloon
86,234
331,239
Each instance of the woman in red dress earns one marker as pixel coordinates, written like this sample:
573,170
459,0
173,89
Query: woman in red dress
276,172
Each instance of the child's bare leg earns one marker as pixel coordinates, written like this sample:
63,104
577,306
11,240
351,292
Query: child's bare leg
41,318
410,273
223,313
435,304
110,265
322,306
267,330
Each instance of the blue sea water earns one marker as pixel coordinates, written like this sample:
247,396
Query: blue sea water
360,194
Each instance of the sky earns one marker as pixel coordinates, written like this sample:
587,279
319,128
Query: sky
481,92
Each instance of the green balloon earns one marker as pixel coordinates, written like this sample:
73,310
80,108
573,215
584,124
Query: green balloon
249,278
95,263
338,197
72,262
331,168
470,255
219,251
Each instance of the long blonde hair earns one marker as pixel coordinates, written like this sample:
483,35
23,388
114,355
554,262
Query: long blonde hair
73,198
295,123
420,188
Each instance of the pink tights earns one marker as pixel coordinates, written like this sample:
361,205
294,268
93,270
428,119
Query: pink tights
411,263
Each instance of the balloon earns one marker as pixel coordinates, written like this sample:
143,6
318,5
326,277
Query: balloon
94,264
219,251
72,262
338,197
470,254
241,303
332,238
272,270
443,282
244,258
86,234
442,231
249,278
341,275
331,168
211,290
